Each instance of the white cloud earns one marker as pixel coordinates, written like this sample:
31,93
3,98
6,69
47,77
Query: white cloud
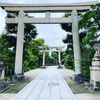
52,33
44,1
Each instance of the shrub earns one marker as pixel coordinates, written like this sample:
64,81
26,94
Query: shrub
26,69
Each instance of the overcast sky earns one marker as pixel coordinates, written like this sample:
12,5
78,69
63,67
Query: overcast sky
52,33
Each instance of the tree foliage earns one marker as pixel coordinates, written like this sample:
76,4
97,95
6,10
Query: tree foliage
90,22
7,52
55,56
87,55
67,26
32,56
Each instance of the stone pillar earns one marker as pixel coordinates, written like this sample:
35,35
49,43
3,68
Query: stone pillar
19,45
2,69
47,15
76,42
59,56
43,58
2,73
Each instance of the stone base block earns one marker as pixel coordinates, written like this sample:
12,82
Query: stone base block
78,78
96,63
96,88
43,67
60,67
17,78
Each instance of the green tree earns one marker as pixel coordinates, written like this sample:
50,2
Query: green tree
55,55
8,53
87,55
33,49
90,22
68,26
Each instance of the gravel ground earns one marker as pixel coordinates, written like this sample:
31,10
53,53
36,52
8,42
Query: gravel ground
75,86
79,90
6,96
87,96
16,87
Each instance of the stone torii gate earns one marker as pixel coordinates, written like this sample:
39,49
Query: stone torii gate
51,49
47,9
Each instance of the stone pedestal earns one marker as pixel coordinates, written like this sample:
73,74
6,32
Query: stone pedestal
95,68
2,73
95,76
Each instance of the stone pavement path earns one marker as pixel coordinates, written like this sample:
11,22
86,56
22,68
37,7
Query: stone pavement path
49,85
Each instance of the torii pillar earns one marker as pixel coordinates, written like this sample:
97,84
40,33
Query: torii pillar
76,42
59,56
19,45
43,58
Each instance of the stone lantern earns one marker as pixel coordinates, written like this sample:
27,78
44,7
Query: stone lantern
95,68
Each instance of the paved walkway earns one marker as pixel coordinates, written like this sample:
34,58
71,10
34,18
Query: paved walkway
49,85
